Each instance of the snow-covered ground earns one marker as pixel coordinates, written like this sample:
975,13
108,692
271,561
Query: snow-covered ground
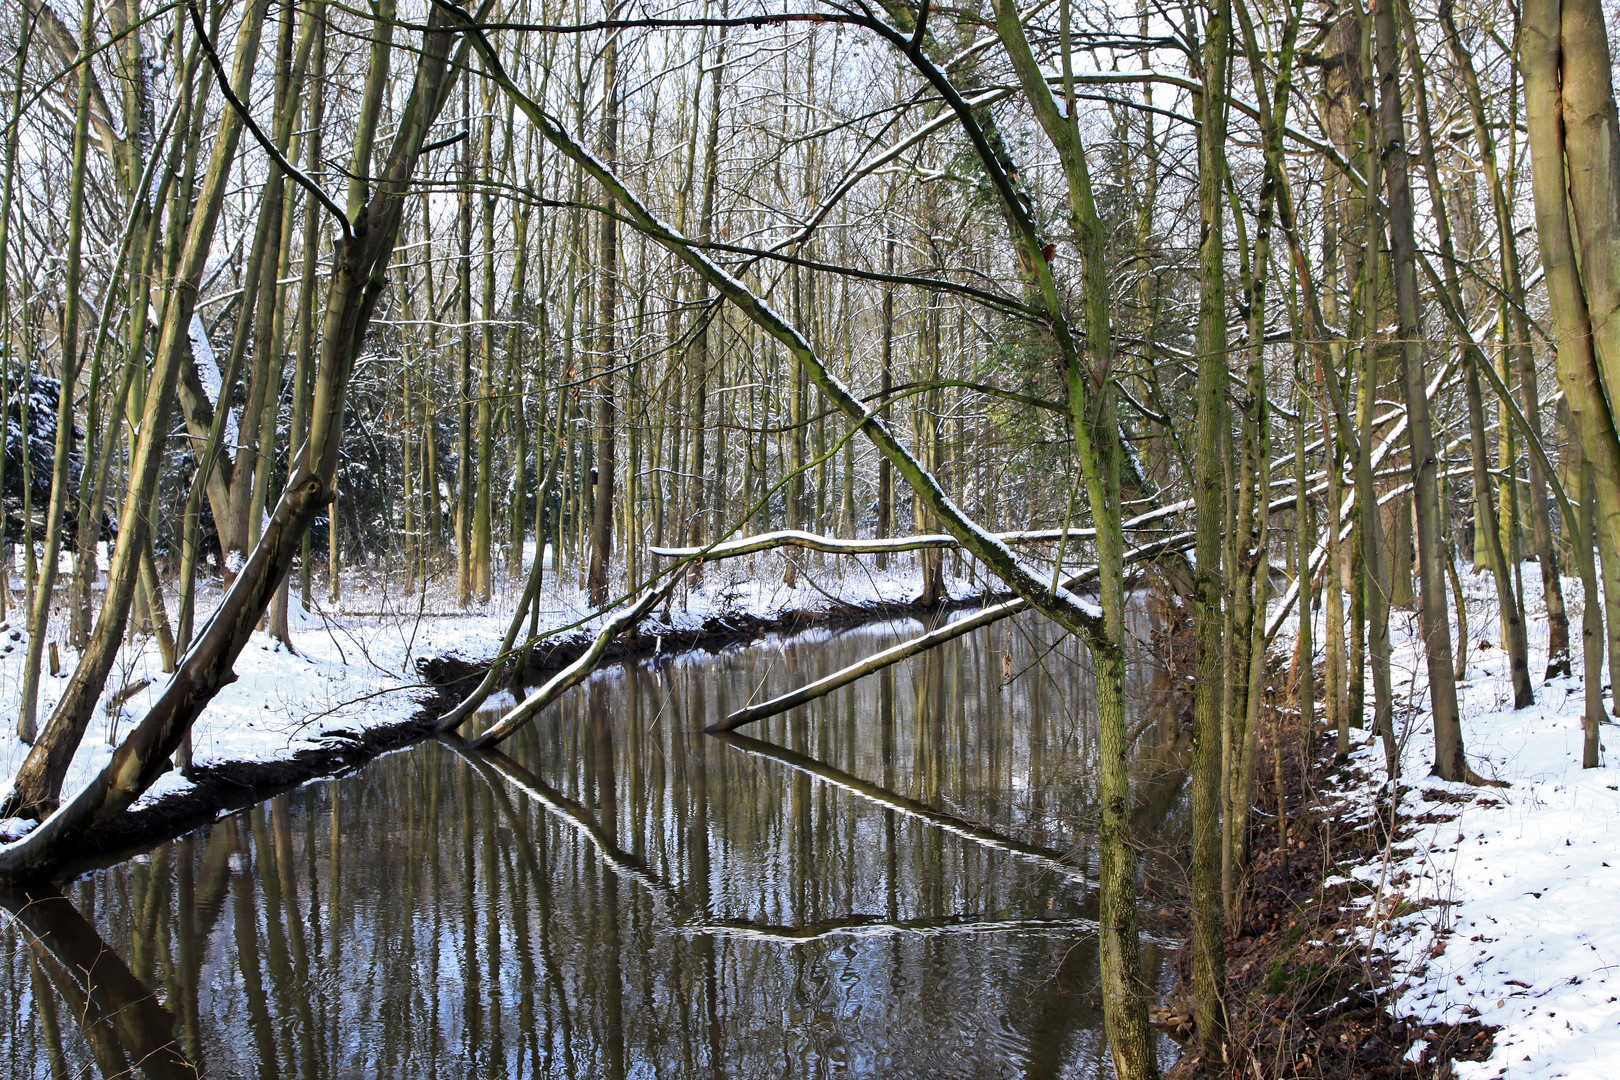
1498,904
354,664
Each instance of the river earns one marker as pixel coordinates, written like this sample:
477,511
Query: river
896,881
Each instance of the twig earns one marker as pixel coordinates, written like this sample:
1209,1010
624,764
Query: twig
276,155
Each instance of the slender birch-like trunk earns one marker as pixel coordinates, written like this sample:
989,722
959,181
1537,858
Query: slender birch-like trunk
68,375
1450,763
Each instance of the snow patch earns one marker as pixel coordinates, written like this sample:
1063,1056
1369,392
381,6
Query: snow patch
1496,903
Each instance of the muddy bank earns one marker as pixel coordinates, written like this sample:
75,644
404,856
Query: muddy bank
1306,996
228,786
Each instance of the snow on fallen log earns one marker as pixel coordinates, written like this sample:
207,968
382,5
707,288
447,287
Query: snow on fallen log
906,649
836,546
573,674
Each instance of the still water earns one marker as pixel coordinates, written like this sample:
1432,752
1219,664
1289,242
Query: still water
896,881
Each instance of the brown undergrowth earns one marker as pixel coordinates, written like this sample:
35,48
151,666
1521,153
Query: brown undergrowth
1306,995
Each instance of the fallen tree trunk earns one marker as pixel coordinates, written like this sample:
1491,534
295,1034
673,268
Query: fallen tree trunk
833,545
567,678
486,685
907,649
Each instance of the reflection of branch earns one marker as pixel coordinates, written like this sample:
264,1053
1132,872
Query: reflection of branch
572,814
110,1002
495,766
1050,858
878,926
542,888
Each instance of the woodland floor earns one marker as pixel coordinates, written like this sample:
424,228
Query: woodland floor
1462,932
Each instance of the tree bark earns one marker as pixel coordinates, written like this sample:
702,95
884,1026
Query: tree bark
1558,659
68,371
1209,495
607,408
1435,621
1570,118
1512,619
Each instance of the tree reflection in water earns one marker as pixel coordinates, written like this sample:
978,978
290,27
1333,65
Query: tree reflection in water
892,881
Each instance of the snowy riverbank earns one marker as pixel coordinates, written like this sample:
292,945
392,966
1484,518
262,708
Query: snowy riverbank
1496,904
1490,905
353,667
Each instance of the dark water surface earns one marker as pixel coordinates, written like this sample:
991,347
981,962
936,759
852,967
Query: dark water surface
892,882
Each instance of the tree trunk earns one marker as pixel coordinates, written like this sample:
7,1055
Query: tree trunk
484,485
304,333
1209,495
1558,659
38,783
1435,620
68,370
885,476
1488,534
606,343
1570,118
465,478
360,268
